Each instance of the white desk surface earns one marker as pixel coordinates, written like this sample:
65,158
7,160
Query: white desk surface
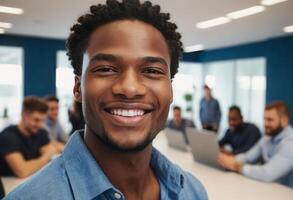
222,185
10,183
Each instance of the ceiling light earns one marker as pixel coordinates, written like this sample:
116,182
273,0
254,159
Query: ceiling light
246,12
271,2
2,31
5,25
213,22
193,48
288,29
11,10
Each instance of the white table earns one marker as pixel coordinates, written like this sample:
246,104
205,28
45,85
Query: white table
10,183
222,185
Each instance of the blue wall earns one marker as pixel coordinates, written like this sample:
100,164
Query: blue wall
279,60
39,62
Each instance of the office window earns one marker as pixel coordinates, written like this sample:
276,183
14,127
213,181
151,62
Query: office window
188,81
250,89
64,86
11,84
241,82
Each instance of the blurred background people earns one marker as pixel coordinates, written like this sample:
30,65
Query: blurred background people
240,136
210,111
52,124
275,149
25,147
179,123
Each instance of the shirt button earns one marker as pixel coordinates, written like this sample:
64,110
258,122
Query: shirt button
117,195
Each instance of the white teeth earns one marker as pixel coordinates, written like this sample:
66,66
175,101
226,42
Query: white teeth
127,113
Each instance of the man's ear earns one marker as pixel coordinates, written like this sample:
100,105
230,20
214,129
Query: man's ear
77,89
284,121
171,100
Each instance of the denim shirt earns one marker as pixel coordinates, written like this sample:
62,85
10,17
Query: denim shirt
76,175
277,153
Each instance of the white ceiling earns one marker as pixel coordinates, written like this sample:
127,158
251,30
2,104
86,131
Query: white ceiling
53,18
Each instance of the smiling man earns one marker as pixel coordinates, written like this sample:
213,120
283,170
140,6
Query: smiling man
124,55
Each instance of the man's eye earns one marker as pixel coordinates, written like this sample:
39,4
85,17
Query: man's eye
153,71
104,70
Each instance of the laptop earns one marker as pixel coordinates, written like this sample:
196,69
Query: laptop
176,139
204,146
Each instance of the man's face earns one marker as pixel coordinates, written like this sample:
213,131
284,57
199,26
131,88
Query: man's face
234,120
177,115
273,122
125,85
53,110
33,121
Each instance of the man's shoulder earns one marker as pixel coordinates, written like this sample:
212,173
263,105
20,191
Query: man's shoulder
9,129
250,125
10,133
251,128
49,183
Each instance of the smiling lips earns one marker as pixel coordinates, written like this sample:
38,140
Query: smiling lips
127,112
127,117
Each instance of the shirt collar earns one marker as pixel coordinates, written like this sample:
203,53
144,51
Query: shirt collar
85,176
88,181
168,173
283,134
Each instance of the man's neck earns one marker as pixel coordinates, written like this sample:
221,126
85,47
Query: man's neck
23,130
207,98
129,172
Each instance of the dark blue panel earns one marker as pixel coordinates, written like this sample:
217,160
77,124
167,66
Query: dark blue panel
39,62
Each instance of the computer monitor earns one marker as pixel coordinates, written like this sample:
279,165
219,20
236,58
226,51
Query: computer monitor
176,139
204,146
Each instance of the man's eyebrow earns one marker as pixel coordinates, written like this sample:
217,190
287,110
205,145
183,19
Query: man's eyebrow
105,57
150,59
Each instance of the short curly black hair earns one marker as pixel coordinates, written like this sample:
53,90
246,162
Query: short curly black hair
113,10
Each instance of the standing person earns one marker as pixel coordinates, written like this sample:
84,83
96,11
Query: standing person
210,111
240,136
124,55
25,147
179,123
275,149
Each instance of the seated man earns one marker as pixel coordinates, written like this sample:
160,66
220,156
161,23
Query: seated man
52,124
179,123
275,149
240,136
25,147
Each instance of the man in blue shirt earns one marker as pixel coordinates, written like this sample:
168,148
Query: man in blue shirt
124,55
210,111
179,123
275,149
240,136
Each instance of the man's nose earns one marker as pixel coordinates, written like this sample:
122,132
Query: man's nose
129,85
